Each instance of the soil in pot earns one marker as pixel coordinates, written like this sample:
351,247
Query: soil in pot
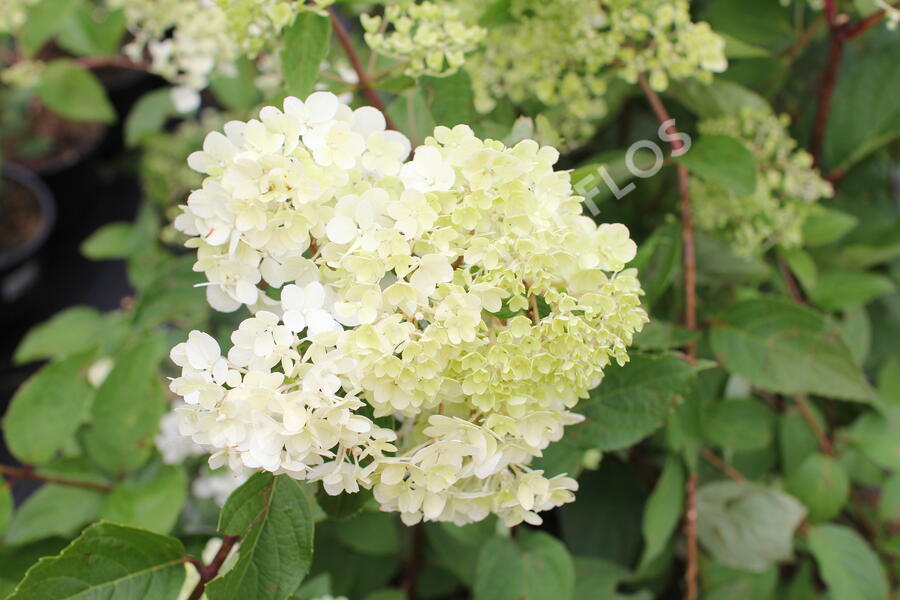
48,143
22,216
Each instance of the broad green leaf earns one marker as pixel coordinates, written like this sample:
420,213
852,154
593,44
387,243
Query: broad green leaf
411,115
740,425
597,579
151,500
663,335
450,98
273,516
108,561
238,92
796,439
723,160
721,97
856,331
889,380
766,25
6,505
457,547
786,348
889,503
876,435
821,484
48,409
127,409
631,402
718,264
658,261
849,567
16,560
92,31
343,506
825,225
535,565
53,510
367,533
74,92
43,21
112,241
803,266
68,331
387,595
746,526
836,290
663,510
871,82
148,116
306,44
726,583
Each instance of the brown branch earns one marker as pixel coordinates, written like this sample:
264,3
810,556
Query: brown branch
365,84
123,62
209,572
27,472
414,563
690,532
806,411
687,219
791,282
721,465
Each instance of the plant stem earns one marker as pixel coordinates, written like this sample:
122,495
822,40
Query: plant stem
824,443
365,84
687,220
722,465
27,472
690,320
790,281
94,62
210,571
414,562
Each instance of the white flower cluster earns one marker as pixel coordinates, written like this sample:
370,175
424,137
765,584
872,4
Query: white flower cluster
786,186
585,45
420,327
253,24
14,13
187,42
431,36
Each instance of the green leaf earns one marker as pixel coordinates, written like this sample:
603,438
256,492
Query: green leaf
786,348
849,567
411,114
826,225
658,261
740,425
343,506
151,500
876,435
723,160
112,241
43,21
108,561
93,31
597,579
721,97
451,98
821,484
127,409
47,410
746,526
274,518
536,566
766,25
67,332
74,92
53,510
16,560
148,116
631,402
663,510
6,505
457,547
871,81
368,533
239,92
796,439
663,335
727,583
889,503
836,290
306,44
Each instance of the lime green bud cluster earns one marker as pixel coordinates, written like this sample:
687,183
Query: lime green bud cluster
23,74
432,37
12,16
786,186
584,45
253,24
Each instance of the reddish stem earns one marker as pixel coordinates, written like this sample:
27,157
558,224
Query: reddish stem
690,532
365,83
209,572
26,472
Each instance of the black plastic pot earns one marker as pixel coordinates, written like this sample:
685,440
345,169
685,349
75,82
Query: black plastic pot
14,262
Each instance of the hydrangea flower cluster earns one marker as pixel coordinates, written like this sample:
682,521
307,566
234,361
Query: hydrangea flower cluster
254,23
187,42
585,45
432,37
786,186
12,17
423,327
